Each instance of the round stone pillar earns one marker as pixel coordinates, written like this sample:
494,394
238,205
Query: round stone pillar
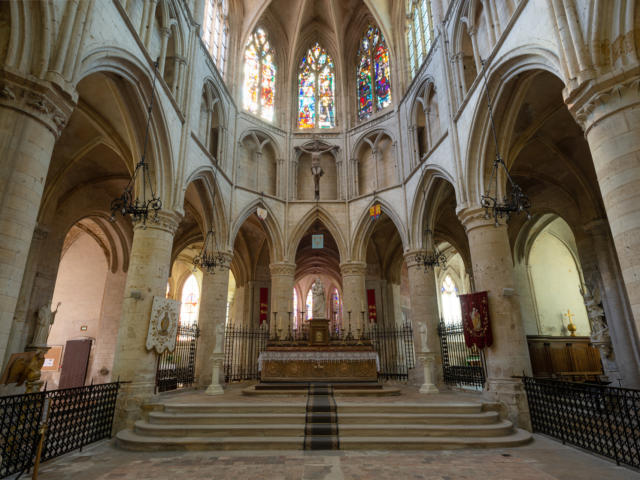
353,294
424,322
282,279
211,322
611,122
492,267
149,267
32,116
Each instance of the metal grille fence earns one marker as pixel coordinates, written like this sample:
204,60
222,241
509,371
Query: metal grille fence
395,350
75,417
461,366
603,420
177,369
242,345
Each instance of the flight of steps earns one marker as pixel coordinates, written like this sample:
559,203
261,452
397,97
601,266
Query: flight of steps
280,426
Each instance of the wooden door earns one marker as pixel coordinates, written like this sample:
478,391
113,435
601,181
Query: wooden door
75,363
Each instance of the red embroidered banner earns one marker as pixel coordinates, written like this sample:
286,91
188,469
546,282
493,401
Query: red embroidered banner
371,300
475,319
264,304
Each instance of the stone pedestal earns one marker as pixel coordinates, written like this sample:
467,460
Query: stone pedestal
611,121
427,361
508,357
424,319
353,293
216,361
211,319
32,115
147,277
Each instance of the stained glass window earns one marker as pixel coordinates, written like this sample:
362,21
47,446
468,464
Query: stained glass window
451,312
190,302
316,90
309,305
295,309
214,31
374,87
419,33
259,76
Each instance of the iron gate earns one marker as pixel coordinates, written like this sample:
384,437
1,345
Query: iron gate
461,366
394,346
177,369
242,345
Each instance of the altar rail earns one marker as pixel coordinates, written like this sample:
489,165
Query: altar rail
74,417
177,369
604,420
461,366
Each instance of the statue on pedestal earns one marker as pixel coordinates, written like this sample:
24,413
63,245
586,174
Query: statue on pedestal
46,317
317,292
599,329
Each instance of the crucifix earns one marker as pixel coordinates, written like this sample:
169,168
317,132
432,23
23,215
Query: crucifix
316,148
571,326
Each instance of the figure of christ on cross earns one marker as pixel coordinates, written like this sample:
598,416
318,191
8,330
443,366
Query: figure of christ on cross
316,149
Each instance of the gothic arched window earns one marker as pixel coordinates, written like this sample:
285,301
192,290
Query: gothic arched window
259,76
214,31
190,302
419,33
374,85
309,303
451,312
316,90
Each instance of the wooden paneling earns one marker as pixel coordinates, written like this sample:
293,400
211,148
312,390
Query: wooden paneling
572,358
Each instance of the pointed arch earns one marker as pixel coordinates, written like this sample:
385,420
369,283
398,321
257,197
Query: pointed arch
316,213
365,228
272,227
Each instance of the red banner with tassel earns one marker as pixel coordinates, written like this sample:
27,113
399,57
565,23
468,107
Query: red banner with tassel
475,319
264,304
371,300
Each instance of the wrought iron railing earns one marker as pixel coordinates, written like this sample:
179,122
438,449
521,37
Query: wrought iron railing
177,369
604,420
461,366
394,346
74,417
242,345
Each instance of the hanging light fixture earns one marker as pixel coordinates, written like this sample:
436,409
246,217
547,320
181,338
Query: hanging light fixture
210,257
433,259
516,201
140,208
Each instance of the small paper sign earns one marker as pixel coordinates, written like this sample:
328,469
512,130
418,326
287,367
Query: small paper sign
317,241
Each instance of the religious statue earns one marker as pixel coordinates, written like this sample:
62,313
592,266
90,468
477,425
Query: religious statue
422,331
219,338
317,291
316,148
46,317
599,329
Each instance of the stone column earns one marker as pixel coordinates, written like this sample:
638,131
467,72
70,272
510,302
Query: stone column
282,279
611,122
149,267
424,321
353,294
32,116
492,267
213,309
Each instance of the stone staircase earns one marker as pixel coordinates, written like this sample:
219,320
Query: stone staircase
280,426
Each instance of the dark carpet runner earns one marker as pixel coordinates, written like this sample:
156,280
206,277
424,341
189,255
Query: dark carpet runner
321,428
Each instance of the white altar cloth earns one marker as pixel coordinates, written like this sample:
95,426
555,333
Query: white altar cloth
323,357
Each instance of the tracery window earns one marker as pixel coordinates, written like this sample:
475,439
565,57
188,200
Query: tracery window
336,308
316,90
295,309
190,302
259,76
373,76
214,31
451,312
419,33
309,305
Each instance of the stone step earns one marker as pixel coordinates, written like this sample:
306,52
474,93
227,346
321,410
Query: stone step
497,429
481,418
398,407
164,418
292,407
129,440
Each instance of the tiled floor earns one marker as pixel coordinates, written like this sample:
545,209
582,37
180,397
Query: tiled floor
543,459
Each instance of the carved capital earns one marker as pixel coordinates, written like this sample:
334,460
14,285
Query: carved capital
475,217
353,269
168,221
40,100
282,269
410,258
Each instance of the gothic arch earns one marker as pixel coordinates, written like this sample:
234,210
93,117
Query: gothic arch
272,227
303,225
365,227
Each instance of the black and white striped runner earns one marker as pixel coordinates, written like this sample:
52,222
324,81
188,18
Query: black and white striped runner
321,428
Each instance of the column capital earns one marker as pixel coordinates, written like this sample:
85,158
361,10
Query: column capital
168,221
410,257
38,99
474,217
595,102
353,269
282,269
